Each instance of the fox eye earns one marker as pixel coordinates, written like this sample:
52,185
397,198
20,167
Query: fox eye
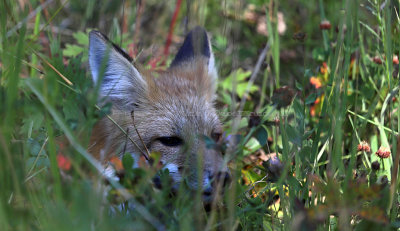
170,141
216,136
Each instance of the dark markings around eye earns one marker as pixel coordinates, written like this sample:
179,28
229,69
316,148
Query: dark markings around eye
216,136
170,141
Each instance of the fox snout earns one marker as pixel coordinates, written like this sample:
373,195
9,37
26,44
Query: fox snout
213,184
220,181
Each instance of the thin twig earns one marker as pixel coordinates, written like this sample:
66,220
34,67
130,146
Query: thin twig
54,69
139,11
137,132
37,156
123,131
24,62
251,187
171,28
373,122
253,76
29,177
126,140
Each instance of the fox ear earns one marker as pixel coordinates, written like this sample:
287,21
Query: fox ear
111,67
197,44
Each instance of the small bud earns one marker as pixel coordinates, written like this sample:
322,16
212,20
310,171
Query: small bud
395,59
274,167
254,120
375,166
363,146
283,96
383,152
299,36
377,60
325,25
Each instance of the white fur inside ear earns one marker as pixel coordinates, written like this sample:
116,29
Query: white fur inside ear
121,82
212,70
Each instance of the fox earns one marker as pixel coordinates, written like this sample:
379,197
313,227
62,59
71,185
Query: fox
169,112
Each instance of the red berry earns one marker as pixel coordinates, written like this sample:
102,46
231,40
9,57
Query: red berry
383,152
364,146
377,60
325,25
395,59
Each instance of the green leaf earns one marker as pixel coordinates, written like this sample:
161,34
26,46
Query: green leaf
293,135
308,73
34,147
299,86
41,161
71,111
33,122
127,162
319,54
251,146
261,135
311,98
298,109
82,38
239,78
72,50
242,87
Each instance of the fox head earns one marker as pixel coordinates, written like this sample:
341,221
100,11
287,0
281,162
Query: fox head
173,110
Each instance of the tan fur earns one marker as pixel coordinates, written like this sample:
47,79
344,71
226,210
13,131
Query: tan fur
178,102
176,105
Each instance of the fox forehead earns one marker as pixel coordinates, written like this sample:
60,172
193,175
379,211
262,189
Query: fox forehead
177,105
191,78
179,100
178,120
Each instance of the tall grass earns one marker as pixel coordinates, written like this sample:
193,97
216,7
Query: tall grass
320,179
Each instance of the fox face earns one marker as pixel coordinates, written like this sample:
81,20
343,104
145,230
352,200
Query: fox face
169,112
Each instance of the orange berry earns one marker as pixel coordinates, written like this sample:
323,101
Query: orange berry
63,162
316,82
324,68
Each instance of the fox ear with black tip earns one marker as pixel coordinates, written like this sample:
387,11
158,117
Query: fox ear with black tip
197,45
120,82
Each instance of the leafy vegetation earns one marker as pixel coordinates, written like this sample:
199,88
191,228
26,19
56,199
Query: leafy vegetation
308,94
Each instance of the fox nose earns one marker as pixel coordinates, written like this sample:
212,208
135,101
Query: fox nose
223,177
